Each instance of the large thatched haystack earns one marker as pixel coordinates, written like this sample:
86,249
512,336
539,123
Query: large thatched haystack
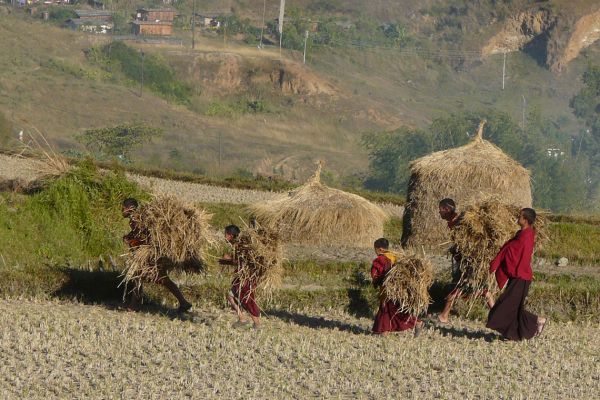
319,215
467,174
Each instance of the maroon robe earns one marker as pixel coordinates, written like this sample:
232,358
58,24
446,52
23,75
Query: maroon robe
513,271
244,296
388,318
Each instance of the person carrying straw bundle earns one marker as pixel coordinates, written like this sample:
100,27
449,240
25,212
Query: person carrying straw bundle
164,234
257,260
512,268
392,316
461,268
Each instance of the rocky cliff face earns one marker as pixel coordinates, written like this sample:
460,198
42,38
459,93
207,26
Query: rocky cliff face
562,35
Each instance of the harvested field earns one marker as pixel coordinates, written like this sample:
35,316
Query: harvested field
66,350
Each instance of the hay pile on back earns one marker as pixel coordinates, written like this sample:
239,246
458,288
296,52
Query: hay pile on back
483,229
175,234
318,215
259,257
408,283
466,174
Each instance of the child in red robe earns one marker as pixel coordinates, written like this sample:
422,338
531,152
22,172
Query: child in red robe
388,318
512,267
240,297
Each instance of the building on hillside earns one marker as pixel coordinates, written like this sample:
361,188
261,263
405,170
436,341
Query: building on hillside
154,22
97,26
95,15
152,28
209,19
155,14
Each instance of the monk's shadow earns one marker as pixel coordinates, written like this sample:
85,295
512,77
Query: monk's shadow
103,287
316,322
465,333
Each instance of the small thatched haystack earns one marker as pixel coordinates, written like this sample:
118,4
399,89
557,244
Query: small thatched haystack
466,174
408,283
259,257
175,234
319,215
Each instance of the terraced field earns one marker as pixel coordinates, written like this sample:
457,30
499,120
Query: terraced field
67,350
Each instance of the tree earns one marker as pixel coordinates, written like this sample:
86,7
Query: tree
118,141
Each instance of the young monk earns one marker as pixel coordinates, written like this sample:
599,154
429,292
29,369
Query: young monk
388,318
137,237
460,268
512,267
240,298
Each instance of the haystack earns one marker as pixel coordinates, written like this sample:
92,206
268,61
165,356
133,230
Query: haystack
176,234
319,215
259,257
484,227
408,282
466,174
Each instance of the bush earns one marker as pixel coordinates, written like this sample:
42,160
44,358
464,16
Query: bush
75,218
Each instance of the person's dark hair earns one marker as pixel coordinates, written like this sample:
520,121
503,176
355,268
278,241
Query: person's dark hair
529,214
233,230
130,202
447,202
382,243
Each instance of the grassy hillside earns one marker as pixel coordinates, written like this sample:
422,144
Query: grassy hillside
258,111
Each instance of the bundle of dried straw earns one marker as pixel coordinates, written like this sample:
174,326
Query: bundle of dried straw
408,282
484,227
175,234
259,257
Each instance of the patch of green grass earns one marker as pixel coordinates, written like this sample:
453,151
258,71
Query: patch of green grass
75,218
392,230
579,242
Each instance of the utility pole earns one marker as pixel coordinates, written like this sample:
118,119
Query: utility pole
220,151
262,27
224,32
193,24
142,74
524,105
305,41
503,70
280,27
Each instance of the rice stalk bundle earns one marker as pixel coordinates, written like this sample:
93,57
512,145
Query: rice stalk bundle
483,229
141,265
178,231
174,235
259,257
407,283
319,215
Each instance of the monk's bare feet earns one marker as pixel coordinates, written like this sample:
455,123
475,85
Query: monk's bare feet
442,320
241,324
418,328
541,324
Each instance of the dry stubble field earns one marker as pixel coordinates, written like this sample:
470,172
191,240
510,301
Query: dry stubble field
67,350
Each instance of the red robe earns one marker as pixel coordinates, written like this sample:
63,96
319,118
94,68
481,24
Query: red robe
388,319
514,259
244,296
